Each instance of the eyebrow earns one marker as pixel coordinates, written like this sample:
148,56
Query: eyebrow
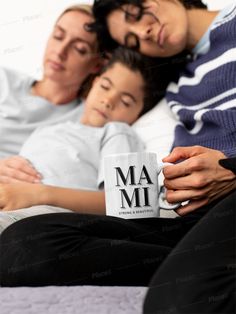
77,38
123,93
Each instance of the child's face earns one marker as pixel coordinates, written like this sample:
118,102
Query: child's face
116,95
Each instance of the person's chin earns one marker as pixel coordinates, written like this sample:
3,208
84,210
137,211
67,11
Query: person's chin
54,75
97,123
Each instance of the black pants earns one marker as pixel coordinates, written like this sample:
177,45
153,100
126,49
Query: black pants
72,249
199,275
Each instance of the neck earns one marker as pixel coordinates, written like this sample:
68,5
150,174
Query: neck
54,92
199,21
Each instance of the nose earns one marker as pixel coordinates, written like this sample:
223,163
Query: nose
143,32
62,50
108,104
109,101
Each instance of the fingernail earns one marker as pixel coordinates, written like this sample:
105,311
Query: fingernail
37,181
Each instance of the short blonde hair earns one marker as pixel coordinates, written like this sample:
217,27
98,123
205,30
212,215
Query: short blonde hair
84,8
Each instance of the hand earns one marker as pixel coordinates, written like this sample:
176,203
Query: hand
197,178
17,169
19,195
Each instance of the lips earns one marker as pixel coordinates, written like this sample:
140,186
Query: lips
56,65
161,36
101,113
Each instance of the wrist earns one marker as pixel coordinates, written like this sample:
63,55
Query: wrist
44,194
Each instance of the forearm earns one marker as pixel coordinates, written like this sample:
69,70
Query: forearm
21,195
82,201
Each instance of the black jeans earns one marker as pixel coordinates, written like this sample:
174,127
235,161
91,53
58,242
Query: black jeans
199,275
75,249
71,249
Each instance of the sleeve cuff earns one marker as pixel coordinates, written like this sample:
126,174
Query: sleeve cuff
229,163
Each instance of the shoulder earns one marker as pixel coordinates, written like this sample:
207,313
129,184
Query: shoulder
11,73
14,78
121,130
118,128
228,14
122,134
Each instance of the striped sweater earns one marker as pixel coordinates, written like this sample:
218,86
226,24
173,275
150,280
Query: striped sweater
204,99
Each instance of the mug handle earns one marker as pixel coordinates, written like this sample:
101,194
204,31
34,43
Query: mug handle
162,194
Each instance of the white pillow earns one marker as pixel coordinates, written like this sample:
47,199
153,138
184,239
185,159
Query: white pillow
156,129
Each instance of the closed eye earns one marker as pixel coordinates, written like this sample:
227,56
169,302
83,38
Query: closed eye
106,83
81,51
127,104
57,37
105,87
58,33
128,99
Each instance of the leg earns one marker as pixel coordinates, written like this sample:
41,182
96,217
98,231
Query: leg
9,217
71,249
199,274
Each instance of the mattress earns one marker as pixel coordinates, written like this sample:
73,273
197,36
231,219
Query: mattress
76,299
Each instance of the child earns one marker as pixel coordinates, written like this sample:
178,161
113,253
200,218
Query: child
70,154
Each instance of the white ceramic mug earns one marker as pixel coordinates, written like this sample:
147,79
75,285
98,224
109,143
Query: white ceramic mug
131,185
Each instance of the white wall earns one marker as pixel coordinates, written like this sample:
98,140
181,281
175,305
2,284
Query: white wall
25,26
217,4
24,29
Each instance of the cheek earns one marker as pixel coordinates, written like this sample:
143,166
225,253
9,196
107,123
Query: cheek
79,67
150,49
178,41
126,115
82,63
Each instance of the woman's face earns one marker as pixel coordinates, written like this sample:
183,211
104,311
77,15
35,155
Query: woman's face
159,31
71,52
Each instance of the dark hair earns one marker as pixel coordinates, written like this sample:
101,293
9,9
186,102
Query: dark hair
102,8
156,73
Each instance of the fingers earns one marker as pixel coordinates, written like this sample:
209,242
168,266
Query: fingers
197,198
179,196
180,153
174,171
19,175
191,206
20,163
196,181
18,178
18,169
